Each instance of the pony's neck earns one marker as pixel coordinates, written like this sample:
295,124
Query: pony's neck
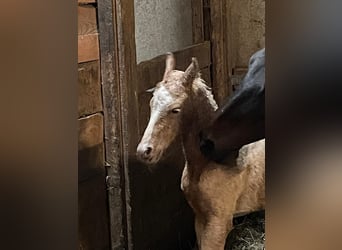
196,116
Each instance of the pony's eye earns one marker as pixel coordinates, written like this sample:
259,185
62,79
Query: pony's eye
176,110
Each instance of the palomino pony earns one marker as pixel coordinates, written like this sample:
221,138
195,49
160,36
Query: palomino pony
241,120
183,104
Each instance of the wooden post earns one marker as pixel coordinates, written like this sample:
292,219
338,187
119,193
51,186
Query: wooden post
220,74
118,62
111,102
197,21
126,63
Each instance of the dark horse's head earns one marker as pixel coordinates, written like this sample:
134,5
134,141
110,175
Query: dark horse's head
241,119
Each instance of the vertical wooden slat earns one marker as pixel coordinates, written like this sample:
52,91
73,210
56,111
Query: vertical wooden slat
219,52
197,21
111,102
230,49
206,20
118,62
126,50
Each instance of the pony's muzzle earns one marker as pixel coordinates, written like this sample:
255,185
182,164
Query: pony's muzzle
144,152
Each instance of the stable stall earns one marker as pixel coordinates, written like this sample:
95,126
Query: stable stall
121,48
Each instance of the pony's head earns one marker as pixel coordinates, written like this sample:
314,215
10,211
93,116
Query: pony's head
167,104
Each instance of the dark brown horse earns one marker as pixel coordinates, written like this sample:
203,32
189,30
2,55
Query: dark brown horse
241,120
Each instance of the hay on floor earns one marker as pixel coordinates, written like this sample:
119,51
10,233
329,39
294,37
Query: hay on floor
248,233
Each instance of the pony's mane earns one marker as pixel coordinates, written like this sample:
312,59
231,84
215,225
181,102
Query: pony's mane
200,88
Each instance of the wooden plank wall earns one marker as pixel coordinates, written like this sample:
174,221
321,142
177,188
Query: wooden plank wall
92,201
245,35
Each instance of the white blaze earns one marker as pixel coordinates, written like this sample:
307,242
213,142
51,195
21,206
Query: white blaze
161,100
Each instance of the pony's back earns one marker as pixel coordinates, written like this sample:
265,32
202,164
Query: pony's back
252,160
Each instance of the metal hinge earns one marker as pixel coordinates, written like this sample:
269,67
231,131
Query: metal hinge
109,182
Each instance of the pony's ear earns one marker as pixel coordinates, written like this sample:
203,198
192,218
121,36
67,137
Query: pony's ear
150,90
170,64
191,73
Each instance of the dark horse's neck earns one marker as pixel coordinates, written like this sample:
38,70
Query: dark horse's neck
198,112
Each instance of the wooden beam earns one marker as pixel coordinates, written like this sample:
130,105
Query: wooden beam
88,48
206,20
230,50
126,50
219,50
197,21
86,20
86,1
90,131
118,62
88,44
89,88
111,102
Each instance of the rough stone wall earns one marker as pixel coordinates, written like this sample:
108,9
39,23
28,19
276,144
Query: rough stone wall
247,25
161,26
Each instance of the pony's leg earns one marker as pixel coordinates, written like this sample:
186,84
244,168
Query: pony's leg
199,230
214,233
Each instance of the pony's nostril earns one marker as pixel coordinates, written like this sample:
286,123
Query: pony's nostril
148,151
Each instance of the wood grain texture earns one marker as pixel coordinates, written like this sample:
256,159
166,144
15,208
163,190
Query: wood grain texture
90,147
219,50
92,200
88,45
89,88
86,20
126,62
88,48
231,50
86,1
90,131
197,21
93,214
206,75
116,25
111,106
206,20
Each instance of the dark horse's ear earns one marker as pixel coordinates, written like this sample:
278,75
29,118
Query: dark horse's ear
191,73
170,64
